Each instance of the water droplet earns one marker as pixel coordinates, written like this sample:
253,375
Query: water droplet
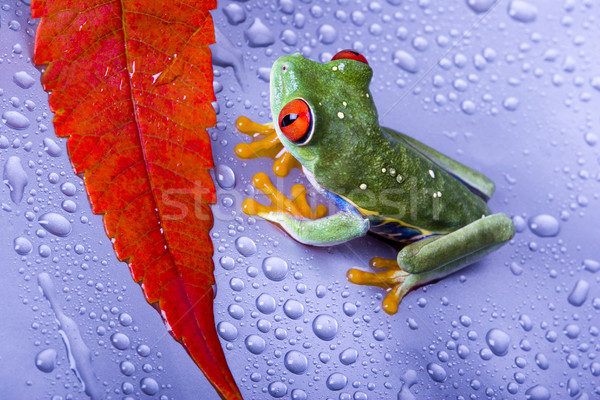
542,361
326,34
537,392
295,362
579,293
348,356
225,176
52,148
125,319
45,360
245,246
120,340
236,311
255,344
591,265
498,341
480,6
511,103
143,350
227,331
299,394
522,11
127,368
15,120
278,389
15,178
44,251
320,291
275,268
259,35
235,14
69,206
227,263
149,386
378,335
436,372
23,79
337,381
293,309
463,351
573,387
55,223
349,309
266,304
325,327
525,322
22,245
405,61
544,225
468,107
68,189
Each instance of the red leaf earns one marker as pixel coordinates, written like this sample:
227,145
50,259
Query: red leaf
131,86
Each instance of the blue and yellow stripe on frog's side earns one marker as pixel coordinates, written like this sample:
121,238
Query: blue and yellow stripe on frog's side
391,228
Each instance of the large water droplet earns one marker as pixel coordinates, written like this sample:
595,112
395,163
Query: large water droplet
326,34
225,176
436,372
579,293
275,268
497,341
295,362
227,331
266,304
45,360
55,223
235,14
337,381
120,340
149,386
255,344
22,245
15,178
15,120
51,147
348,356
325,327
245,246
405,61
23,79
591,265
522,11
293,309
537,392
278,389
480,6
259,35
544,225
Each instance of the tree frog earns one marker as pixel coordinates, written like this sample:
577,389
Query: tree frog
381,180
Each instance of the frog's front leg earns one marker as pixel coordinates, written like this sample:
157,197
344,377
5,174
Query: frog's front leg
300,222
437,257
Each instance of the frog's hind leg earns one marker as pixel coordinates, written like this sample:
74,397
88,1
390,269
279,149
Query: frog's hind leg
436,257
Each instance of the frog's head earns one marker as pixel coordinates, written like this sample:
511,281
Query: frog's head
318,108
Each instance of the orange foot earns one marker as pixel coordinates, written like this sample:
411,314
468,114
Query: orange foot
265,144
296,206
391,278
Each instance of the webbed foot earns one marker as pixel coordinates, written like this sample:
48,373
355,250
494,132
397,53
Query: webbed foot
390,277
297,206
265,144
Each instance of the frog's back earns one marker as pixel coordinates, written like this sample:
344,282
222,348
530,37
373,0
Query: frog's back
407,193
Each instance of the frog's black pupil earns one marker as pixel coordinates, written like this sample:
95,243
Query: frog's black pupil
356,53
288,120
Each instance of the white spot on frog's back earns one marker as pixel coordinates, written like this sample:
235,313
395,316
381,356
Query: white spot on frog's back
431,173
363,186
340,115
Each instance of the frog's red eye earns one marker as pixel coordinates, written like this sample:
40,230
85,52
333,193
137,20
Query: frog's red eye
350,55
296,121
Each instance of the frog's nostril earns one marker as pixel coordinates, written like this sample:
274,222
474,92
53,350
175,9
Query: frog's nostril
284,67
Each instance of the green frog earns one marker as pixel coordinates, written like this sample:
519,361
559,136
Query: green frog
380,180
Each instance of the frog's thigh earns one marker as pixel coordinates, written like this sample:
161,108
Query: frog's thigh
337,228
448,253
